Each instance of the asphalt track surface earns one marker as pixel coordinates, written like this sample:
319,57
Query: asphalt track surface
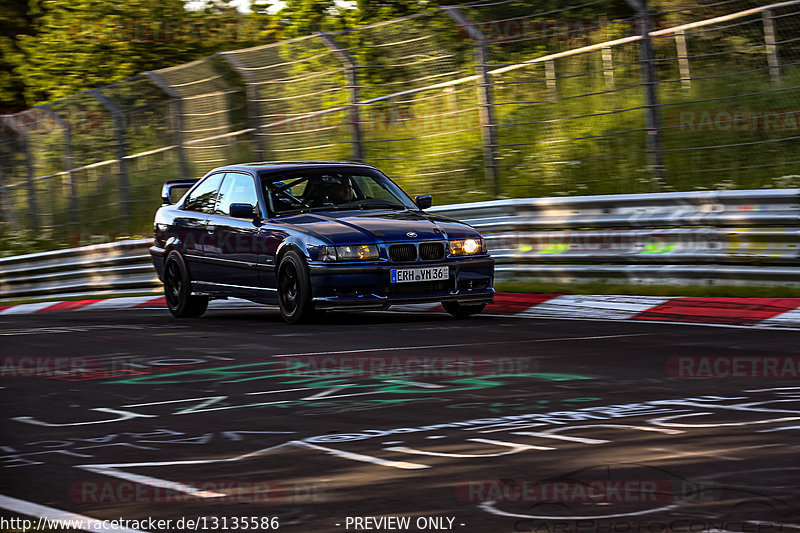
514,424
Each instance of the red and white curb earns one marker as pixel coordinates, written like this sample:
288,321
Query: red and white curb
762,312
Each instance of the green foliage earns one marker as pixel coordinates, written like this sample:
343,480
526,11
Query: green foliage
26,241
16,18
585,135
82,44
302,17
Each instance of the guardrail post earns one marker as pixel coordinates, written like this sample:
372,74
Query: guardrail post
122,152
772,49
253,106
176,118
68,163
655,154
683,59
485,100
350,66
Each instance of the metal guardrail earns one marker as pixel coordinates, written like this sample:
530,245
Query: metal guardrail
101,270
718,237
748,208
707,237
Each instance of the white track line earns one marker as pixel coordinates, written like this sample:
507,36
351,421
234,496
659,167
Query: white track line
42,512
461,345
403,465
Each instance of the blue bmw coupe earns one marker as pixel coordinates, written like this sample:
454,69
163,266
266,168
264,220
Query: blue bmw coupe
311,236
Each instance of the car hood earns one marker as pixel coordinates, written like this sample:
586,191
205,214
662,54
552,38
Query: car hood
346,227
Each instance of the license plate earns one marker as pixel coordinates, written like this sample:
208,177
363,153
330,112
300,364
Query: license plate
408,275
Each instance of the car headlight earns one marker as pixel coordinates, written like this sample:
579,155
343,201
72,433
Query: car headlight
467,246
358,252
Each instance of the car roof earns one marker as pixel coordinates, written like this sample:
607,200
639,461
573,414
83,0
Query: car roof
273,166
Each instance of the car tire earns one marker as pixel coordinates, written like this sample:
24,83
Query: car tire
178,289
458,310
294,289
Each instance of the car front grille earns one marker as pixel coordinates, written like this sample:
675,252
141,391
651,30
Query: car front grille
402,253
431,251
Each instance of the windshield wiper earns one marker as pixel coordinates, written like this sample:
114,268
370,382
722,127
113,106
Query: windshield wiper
333,208
381,205
293,211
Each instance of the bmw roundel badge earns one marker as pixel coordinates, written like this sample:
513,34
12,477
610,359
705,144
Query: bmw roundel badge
411,234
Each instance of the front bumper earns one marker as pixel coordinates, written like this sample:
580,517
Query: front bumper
158,255
353,285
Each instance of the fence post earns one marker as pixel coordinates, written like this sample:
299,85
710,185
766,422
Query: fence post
485,100
18,127
608,67
33,210
253,107
350,66
7,214
655,154
122,152
176,117
68,163
550,78
772,49
683,59
6,199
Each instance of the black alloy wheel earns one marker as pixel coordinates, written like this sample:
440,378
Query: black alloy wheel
294,289
178,289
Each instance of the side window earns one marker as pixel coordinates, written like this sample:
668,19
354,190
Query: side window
204,196
287,193
236,189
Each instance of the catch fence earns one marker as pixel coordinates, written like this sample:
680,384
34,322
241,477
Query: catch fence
481,101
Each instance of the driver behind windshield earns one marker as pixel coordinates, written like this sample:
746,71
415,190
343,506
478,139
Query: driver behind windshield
339,192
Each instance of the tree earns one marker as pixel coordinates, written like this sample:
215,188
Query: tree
16,19
85,44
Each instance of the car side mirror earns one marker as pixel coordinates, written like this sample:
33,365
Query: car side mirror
242,211
423,201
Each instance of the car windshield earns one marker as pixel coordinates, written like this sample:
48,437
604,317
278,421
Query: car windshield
326,190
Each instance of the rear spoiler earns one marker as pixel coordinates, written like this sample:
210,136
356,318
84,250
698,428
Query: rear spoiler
168,191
